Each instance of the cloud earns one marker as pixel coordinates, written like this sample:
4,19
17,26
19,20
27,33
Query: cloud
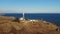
9,11
42,11
29,11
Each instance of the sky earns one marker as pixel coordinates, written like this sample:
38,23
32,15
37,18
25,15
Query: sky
30,6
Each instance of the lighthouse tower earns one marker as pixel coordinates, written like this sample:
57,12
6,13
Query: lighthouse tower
23,17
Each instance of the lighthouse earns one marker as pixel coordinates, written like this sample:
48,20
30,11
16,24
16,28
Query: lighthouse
23,17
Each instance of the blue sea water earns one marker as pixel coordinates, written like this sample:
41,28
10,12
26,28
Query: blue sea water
50,17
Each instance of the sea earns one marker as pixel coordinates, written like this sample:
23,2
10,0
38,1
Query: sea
49,17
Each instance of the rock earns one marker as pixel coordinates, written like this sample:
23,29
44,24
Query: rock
17,25
39,26
25,26
6,27
7,18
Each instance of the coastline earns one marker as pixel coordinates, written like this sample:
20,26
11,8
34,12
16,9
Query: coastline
30,26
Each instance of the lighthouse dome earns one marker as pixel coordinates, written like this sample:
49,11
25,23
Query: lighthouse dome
21,18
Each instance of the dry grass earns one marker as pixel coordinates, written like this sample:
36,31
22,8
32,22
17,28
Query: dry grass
26,27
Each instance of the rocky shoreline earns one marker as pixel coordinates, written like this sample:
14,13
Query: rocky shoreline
12,25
